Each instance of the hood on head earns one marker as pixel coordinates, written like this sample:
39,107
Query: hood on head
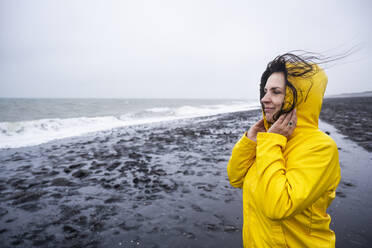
310,92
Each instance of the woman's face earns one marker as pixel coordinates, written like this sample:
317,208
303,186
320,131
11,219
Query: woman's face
274,95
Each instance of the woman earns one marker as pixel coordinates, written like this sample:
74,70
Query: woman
288,169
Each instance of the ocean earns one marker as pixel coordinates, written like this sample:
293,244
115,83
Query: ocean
29,122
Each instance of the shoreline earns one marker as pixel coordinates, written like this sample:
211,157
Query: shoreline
61,128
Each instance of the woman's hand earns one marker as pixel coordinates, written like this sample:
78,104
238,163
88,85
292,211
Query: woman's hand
285,125
253,130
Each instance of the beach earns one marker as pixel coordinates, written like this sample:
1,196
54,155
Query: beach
351,211
158,185
162,185
352,117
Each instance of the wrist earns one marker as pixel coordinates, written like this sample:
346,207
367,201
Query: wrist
250,136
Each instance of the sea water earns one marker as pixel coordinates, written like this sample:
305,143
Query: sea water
27,122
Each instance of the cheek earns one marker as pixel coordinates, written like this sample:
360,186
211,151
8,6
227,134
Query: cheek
279,101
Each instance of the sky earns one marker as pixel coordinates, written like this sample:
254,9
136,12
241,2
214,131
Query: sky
174,49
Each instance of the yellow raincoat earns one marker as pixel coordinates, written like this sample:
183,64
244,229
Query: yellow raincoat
288,184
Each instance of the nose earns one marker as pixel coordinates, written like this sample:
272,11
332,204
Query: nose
265,99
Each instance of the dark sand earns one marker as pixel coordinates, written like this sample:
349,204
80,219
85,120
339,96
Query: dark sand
352,116
351,211
156,185
159,185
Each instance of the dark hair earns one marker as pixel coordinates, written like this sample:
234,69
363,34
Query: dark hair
300,67
297,63
293,65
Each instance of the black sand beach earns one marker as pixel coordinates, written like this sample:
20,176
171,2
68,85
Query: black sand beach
157,185
352,116
351,211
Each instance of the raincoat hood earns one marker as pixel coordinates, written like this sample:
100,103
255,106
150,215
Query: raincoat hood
310,93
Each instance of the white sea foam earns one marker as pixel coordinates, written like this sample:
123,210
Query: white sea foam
28,133
159,110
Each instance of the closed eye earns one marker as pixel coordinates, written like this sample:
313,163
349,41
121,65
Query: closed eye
275,90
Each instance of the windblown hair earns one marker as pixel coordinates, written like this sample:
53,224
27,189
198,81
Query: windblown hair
292,65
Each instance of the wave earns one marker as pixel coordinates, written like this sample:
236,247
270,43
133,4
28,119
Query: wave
35,132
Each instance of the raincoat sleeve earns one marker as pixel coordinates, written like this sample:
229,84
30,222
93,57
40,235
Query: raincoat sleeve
242,158
282,193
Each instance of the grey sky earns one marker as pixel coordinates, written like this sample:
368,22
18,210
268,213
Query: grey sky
173,49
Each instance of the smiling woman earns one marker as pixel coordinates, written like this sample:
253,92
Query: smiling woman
274,96
288,169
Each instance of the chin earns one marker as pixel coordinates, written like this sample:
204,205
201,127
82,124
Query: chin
269,119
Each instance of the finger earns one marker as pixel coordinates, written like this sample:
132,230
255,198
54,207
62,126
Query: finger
281,119
287,119
290,119
287,122
293,120
259,123
262,126
294,117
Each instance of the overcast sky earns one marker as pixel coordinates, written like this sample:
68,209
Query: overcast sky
171,48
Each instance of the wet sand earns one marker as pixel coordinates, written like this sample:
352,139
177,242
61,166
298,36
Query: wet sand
159,185
155,185
351,211
351,116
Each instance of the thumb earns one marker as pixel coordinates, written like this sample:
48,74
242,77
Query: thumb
258,124
261,125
